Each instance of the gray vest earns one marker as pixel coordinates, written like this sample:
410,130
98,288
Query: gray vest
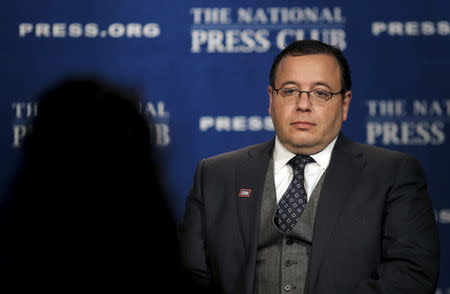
283,259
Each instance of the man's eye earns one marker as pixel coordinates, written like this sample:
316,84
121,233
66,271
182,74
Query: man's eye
289,92
321,94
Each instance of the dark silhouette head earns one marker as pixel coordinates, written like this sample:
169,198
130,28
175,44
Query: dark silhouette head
87,204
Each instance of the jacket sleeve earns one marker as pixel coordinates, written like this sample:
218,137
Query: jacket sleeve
410,245
192,233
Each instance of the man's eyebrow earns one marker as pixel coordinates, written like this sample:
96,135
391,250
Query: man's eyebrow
318,83
289,83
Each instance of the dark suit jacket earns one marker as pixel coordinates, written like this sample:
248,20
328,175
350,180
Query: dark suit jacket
374,232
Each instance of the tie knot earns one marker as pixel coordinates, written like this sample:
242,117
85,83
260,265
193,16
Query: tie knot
300,161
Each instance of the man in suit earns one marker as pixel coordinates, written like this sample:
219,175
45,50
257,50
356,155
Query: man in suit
311,211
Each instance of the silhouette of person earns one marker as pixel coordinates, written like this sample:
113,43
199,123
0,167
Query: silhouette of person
87,208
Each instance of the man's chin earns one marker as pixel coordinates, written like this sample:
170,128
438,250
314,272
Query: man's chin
306,141
301,146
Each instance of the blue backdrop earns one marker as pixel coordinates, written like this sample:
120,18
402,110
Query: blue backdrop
202,67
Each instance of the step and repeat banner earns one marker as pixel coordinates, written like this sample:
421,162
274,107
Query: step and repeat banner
202,68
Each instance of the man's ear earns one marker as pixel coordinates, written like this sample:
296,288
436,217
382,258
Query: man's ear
269,92
346,104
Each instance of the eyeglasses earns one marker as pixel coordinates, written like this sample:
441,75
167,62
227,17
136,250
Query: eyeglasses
314,96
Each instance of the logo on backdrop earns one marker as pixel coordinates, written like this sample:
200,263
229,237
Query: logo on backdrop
256,30
240,123
89,30
24,112
160,116
410,28
404,122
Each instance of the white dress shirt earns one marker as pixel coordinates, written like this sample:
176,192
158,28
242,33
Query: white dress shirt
313,171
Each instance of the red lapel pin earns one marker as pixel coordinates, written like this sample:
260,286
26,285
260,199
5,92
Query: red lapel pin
245,193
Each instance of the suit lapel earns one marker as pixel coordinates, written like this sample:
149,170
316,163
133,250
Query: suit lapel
344,170
250,175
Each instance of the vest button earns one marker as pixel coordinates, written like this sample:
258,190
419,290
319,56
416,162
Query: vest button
289,242
287,288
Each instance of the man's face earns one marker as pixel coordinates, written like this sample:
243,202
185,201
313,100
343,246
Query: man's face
304,127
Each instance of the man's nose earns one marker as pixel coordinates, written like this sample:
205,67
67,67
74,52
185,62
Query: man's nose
303,101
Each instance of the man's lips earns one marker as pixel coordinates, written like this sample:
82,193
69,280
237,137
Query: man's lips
302,124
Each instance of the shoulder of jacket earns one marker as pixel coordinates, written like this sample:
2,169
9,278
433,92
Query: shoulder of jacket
242,153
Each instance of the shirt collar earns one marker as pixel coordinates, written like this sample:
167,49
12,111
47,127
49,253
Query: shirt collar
281,155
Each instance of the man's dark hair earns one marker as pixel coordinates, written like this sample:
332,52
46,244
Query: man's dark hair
309,47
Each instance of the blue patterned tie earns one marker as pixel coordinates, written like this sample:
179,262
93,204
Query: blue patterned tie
291,205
